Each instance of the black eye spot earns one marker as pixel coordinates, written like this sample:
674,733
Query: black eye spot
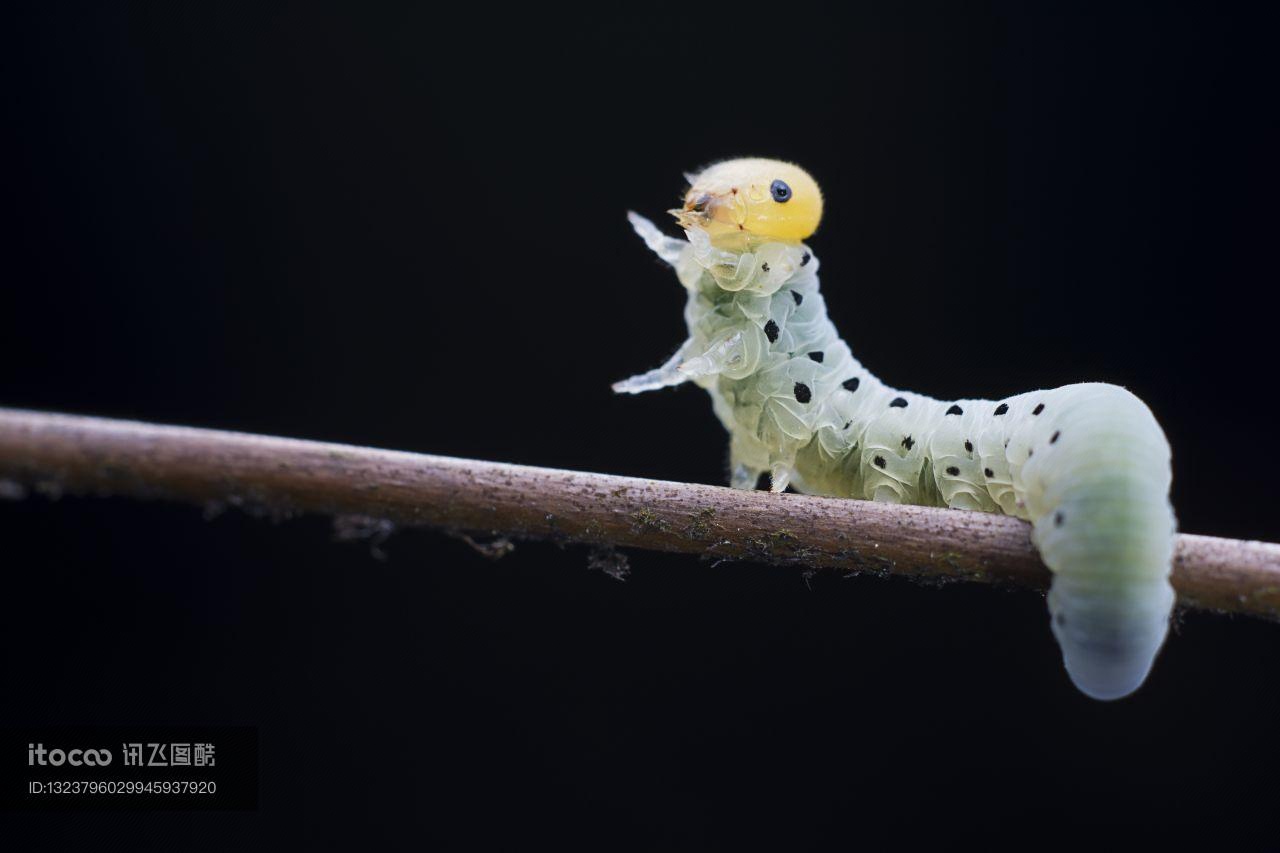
802,393
879,460
780,191
797,296
771,331
817,356
953,471
804,259
1038,409
898,403
1002,408
968,445
955,410
988,473
850,385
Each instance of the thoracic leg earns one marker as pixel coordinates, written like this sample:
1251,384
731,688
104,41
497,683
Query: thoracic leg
660,377
689,362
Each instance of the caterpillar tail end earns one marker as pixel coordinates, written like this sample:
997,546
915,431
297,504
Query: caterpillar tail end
1099,489
1109,644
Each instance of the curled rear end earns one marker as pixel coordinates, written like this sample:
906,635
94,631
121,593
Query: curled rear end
1095,483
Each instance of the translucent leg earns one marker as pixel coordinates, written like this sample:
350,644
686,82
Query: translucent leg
661,377
742,477
780,470
723,355
887,494
667,248
746,464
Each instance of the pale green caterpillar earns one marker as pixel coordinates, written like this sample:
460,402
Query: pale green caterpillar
1087,464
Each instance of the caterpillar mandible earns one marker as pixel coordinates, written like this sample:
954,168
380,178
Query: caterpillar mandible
1087,465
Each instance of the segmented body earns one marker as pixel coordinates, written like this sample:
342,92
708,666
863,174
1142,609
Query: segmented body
1087,464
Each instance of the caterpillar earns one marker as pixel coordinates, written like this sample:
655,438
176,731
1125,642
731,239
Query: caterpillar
1087,464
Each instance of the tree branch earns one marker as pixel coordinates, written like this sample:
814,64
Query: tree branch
60,453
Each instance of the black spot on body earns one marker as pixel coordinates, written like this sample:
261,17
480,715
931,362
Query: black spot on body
988,473
968,445
879,460
765,266
804,259
953,471
771,331
1038,409
797,296
850,385
1054,438
1058,518
898,403
848,424
817,356
1002,408
802,393
908,442
955,410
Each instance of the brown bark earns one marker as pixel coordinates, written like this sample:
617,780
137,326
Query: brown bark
281,476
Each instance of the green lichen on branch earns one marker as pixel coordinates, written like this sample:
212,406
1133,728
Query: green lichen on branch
644,519
700,523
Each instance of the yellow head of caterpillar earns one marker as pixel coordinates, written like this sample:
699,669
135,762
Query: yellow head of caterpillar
752,200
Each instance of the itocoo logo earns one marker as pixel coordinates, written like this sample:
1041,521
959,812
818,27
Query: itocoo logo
37,754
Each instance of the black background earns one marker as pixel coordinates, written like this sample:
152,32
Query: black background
404,227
